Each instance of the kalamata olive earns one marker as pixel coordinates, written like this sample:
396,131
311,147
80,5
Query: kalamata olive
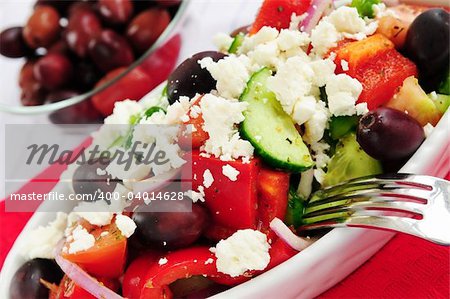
427,44
189,78
115,11
42,27
25,283
53,71
87,75
59,47
81,113
33,93
12,43
89,177
60,5
174,229
83,26
244,29
146,27
109,50
26,73
59,95
82,6
389,134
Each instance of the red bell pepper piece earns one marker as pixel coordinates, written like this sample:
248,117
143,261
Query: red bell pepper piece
377,65
134,278
279,253
273,190
232,203
180,264
277,13
381,77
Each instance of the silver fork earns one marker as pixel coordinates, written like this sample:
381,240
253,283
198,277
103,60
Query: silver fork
418,205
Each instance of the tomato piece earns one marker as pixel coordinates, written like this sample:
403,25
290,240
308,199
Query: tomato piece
67,289
279,253
357,53
232,204
218,232
180,264
133,85
377,65
382,76
198,136
134,278
273,190
277,13
107,257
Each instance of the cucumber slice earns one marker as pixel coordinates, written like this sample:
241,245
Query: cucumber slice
237,42
341,125
350,162
442,102
270,130
295,209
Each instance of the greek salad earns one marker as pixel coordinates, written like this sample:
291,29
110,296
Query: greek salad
312,94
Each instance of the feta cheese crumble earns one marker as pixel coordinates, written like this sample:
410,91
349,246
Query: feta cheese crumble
343,92
220,119
231,74
82,240
243,251
230,172
209,261
207,178
162,261
343,22
126,225
41,242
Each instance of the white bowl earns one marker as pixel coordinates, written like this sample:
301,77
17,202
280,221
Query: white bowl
315,269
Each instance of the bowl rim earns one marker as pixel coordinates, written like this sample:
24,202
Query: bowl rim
168,33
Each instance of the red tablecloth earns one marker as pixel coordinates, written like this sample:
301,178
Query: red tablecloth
406,267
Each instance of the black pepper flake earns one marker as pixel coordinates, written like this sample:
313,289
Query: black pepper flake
289,140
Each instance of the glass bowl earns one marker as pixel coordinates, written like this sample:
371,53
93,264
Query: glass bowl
158,61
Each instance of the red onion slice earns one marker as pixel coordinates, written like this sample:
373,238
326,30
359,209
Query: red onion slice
155,183
84,280
284,233
314,13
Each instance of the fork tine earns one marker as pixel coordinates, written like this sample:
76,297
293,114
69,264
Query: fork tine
372,195
381,182
400,224
359,207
